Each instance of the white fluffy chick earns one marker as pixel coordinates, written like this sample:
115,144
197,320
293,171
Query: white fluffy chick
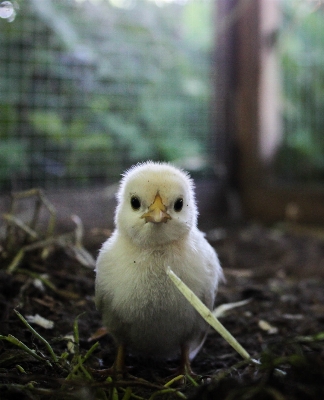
156,227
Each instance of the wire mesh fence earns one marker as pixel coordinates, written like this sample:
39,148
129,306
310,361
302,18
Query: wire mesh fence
300,46
90,87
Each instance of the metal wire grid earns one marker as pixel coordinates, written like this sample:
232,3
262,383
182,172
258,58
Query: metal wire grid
88,89
300,45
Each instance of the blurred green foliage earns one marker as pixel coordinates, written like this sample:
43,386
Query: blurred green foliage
88,88
301,41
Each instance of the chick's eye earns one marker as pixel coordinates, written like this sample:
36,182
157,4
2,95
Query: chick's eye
178,205
135,202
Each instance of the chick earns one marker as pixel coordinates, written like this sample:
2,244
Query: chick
156,227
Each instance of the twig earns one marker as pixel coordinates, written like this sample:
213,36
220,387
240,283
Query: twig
48,346
167,391
34,246
50,285
207,314
128,394
173,380
90,351
212,320
76,333
24,227
12,339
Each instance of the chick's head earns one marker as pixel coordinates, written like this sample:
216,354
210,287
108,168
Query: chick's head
156,204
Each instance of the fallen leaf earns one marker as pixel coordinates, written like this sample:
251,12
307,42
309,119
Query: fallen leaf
265,326
101,332
221,310
39,320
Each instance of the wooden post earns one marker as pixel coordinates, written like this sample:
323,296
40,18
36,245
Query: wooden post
248,113
225,82
248,80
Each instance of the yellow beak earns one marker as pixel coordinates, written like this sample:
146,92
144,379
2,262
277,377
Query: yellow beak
157,211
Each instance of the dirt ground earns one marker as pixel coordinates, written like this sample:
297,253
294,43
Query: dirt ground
279,268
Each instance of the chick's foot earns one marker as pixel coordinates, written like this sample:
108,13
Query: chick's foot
118,370
183,373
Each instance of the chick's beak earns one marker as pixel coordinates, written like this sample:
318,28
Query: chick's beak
157,211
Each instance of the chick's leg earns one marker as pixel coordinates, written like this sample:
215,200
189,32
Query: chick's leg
185,365
119,364
184,368
118,368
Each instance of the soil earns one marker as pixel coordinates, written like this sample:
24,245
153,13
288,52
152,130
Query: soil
279,269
